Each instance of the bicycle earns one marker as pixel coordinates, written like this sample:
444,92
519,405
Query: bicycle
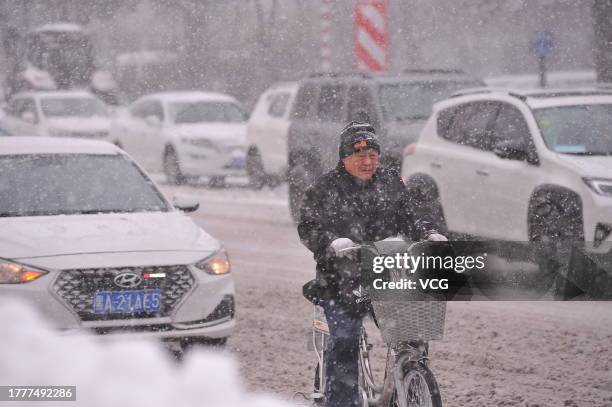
406,326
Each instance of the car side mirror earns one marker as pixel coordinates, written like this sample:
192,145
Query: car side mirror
185,203
28,117
153,121
510,150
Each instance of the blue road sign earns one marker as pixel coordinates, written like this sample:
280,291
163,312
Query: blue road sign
543,43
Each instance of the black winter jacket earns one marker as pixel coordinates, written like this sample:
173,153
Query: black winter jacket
340,205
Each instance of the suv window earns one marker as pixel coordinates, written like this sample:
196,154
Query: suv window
304,101
148,108
361,106
19,106
445,120
278,104
510,125
139,110
331,101
471,123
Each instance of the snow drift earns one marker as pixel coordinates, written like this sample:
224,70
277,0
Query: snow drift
115,373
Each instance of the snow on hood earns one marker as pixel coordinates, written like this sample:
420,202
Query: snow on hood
589,166
42,236
115,373
79,124
223,133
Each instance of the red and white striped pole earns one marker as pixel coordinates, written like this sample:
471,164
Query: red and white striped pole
325,35
371,35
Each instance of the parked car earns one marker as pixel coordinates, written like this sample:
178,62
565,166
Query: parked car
533,166
267,135
397,106
185,135
57,114
91,241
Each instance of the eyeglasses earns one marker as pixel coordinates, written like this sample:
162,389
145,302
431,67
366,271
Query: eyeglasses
369,155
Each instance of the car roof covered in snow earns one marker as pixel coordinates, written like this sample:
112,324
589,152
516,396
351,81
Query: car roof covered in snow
54,145
190,96
56,93
59,27
534,98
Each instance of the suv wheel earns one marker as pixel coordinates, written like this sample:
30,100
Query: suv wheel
301,174
255,169
172,168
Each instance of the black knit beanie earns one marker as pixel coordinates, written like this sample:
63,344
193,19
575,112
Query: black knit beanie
357,136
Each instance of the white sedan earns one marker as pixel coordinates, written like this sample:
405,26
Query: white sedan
89,239
185,134
57,114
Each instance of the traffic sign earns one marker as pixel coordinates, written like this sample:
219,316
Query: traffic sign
543,43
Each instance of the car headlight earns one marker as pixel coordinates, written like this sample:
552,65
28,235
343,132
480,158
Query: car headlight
16,273
216,264
601,186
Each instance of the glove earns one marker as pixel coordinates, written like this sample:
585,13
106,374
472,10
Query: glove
436,237
340,244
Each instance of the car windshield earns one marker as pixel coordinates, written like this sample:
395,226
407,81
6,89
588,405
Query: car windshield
414,100
578,129
199,112
59,184
73,107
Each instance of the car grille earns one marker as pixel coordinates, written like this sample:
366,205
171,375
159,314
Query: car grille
78,287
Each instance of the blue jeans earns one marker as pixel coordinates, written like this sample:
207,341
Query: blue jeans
341,364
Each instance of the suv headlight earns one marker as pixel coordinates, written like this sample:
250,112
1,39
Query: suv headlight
216,264
16,273
601,186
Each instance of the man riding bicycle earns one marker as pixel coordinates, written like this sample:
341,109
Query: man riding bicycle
356,202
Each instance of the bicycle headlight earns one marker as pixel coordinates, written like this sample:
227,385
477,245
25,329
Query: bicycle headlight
217,264
16,273
600,186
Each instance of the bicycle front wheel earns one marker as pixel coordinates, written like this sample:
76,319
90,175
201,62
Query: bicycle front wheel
417,388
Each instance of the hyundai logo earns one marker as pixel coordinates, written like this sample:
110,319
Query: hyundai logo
127,280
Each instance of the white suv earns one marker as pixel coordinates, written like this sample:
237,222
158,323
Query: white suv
267,134
529,166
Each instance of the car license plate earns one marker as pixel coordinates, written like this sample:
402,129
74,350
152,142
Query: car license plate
123,302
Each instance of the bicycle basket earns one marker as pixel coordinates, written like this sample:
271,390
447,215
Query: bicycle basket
410,315
401,321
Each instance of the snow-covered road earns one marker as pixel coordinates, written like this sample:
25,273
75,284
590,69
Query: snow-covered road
493,354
